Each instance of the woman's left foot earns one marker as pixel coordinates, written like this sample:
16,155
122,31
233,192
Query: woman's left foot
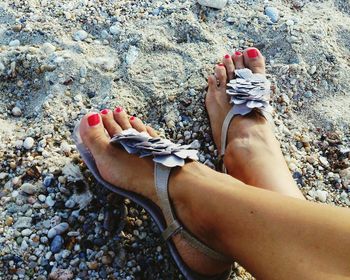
252,152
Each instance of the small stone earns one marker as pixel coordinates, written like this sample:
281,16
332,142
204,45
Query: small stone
42,197
3,175
308,94
48,48
14,43
114,29
28,188
9,221
323,161
216,4
345,177
49,201
272,13
322,195
131,55
313,69
23,222
311,159
59,229
61,274
28,143
290,22
80,35
56,244
26,232
16,111
70,203
106,259
92,265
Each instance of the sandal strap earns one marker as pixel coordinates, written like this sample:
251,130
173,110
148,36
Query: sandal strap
244,102
161,174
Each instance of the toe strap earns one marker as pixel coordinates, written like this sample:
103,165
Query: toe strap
161,175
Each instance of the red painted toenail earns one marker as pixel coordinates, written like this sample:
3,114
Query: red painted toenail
94,119
118,109
252,53
237,53
227,56
132,118
221,64
104,111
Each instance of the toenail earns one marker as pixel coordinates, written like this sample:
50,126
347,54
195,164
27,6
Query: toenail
104,111
237,53
132,118
252,53
118,109
94,119
227,56
221,64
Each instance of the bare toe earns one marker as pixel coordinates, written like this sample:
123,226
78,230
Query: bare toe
137,124
254,60
238,60
220,74
230,67
93,133
121,118
109,123
151,131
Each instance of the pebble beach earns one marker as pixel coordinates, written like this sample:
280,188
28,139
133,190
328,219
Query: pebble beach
62,59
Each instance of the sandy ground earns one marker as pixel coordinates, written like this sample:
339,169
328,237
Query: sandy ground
60,59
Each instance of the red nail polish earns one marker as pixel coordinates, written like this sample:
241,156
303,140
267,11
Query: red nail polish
221,64
237,53
118,109
227,56
132,118
94,119
252,53
104,111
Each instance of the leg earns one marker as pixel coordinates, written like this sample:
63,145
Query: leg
232,217
253,154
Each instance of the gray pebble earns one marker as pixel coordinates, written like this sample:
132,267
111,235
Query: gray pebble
59,229
80,35
56,244
28,188
28,143
272,13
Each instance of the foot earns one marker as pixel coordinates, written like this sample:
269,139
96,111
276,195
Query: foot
253,154
112,162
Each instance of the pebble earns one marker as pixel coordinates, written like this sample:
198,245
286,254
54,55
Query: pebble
345,177
16,111
59,229
323,161
42,197
61,274
49,201
9,221
114,29
14,43
272,13
70,203
28,143
80,35
48,48
26,232
92,265
28,188
56,244
322,195
106,259
313,69
308,94
216,4
23,222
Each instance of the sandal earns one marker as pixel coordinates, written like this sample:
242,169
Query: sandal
248,92
166,155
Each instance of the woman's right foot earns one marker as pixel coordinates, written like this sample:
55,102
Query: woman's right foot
253,154
137,175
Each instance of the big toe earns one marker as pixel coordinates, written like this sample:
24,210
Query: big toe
254,60
93,133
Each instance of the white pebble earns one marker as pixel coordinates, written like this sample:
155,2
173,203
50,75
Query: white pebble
26,232
42,197
114,29
28,143
49,201
216,4
15,43
48,48
28,188
322,195
80,35
16,111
